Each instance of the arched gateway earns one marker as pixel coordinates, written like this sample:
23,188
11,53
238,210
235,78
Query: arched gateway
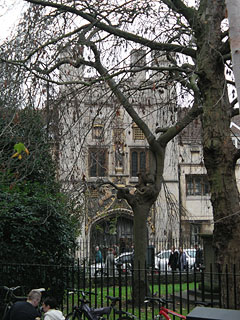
114,230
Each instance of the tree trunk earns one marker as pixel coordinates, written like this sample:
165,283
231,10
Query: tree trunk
217,144
141,213
141,203
146,193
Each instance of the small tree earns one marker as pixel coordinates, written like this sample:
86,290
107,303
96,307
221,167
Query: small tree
37,223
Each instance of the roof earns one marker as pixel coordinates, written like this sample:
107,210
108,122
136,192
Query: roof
192,133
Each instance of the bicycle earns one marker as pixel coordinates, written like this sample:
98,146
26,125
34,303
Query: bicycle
96,313
163,312
10,298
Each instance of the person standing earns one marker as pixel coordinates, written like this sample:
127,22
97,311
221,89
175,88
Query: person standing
110,261
115,250
98,256
199,257
182,260
26,310
173,259
50,312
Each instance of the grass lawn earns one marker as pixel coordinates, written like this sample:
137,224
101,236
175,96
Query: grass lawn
98,298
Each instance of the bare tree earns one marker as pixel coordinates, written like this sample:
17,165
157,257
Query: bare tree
198,51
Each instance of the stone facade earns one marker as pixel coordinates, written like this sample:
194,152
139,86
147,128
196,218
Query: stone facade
99,142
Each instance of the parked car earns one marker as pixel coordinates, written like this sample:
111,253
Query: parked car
191,257
122,262
162,258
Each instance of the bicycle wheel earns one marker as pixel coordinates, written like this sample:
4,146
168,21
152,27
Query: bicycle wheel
73,316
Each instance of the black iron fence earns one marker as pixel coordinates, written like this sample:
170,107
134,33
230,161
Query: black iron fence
215,287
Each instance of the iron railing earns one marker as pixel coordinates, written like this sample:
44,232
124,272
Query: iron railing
86,250
183,288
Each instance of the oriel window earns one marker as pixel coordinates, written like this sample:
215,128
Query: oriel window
197,185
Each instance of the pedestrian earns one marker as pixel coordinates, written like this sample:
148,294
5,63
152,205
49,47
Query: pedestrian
98,256
50,312
122,246
110,261
26,310
173,259
199,257
115,250
182,260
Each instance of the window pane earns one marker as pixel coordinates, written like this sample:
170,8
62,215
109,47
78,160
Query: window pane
134,164
98,163
206,187
142,161
93,164
198,186
102,163
189,186
138,134
195,230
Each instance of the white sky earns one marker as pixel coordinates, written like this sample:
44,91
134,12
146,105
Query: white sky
10,13
12,10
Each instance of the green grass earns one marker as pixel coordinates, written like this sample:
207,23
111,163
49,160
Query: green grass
125,294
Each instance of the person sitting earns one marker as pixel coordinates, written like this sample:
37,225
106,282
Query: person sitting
25,310
50,312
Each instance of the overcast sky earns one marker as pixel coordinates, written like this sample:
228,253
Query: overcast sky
10,13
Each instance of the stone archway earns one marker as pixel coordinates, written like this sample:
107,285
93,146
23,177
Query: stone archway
114,230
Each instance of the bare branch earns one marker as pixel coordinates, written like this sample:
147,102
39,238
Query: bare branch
121,97
179,7
194,112
117,32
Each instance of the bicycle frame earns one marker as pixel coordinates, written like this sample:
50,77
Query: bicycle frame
164,311
91,313
10,298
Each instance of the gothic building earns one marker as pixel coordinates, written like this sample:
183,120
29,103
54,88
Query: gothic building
98,142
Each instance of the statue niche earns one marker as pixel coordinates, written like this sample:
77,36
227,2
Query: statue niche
119,150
